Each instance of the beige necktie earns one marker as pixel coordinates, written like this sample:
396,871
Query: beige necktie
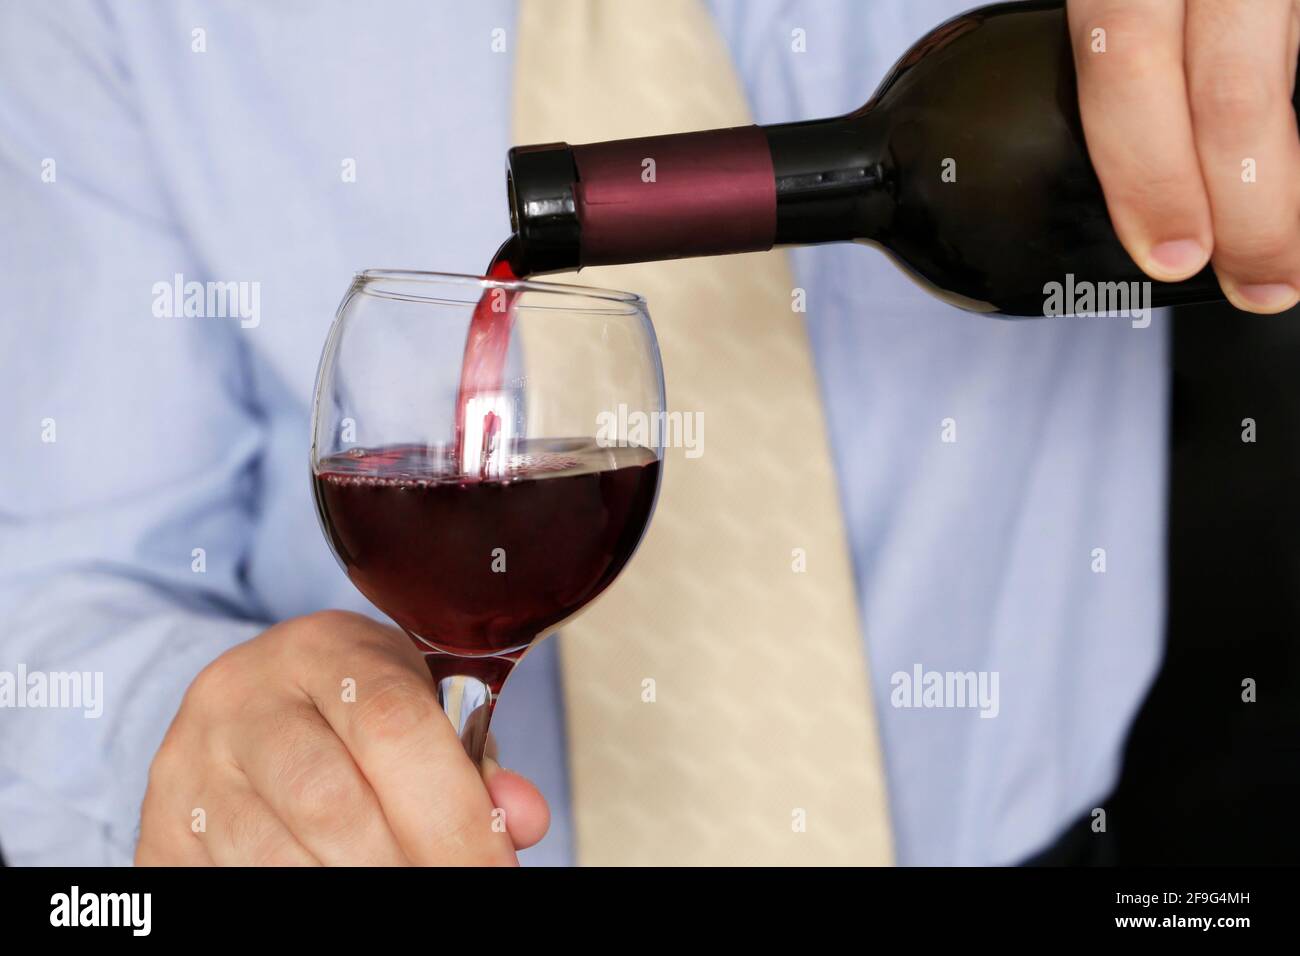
756,742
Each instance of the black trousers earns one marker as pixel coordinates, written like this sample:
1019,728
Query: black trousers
1211,776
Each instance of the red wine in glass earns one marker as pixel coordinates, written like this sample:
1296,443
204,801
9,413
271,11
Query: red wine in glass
478,567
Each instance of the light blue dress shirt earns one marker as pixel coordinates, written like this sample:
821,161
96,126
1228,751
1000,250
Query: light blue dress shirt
128,156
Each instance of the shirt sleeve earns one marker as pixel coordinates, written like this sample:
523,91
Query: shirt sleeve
128,487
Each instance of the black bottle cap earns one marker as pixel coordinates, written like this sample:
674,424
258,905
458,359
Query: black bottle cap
540,181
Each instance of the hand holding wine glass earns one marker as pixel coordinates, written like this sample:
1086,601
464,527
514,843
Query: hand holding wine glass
480,520
270,762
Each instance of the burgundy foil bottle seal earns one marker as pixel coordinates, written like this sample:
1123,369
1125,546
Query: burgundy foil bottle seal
670,197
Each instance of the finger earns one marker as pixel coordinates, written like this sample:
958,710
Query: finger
1241,60
243,830
432,795
167,814
166,838
526,815
296,763
1136,119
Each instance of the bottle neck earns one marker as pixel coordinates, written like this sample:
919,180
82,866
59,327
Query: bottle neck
829,176
691,194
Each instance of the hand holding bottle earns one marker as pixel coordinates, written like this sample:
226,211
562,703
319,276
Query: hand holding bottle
1187,109
1025,158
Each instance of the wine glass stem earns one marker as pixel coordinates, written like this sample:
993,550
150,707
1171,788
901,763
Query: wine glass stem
468,688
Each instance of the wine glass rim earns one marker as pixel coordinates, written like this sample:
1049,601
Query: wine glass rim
512,285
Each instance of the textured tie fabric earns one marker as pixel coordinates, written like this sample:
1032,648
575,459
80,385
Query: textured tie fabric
717,698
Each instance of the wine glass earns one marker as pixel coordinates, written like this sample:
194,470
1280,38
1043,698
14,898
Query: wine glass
482,519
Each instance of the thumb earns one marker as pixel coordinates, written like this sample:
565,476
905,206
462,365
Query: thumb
526,814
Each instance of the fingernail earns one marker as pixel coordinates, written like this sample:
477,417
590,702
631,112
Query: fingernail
1179,257
1271,297
489,767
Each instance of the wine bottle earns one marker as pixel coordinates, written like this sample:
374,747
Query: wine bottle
968,167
